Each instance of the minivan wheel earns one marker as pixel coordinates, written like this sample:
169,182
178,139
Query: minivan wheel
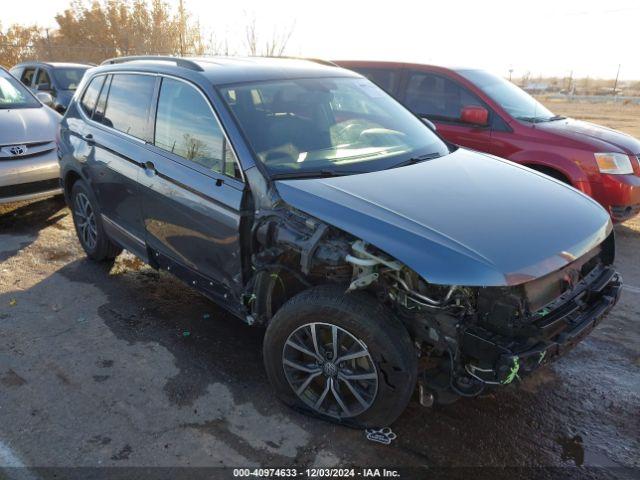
89,228
340,356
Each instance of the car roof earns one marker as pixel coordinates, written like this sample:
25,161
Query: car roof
387,65
231,70
54,64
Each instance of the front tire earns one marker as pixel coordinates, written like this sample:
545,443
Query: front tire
341,356
89,228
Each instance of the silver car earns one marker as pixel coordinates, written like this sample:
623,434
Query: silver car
28,159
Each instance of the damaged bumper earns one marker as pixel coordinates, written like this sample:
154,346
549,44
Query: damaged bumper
497,359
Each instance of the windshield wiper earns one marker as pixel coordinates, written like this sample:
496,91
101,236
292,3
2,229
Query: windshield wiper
414,160
312,174
531,119
541,119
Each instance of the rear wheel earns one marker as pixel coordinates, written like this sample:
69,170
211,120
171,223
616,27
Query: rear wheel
89,227
340,356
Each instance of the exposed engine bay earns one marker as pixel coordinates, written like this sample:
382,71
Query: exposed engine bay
467,338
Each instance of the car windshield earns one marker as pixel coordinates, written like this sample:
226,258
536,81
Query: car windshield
518,103
13,94
68,78
326,126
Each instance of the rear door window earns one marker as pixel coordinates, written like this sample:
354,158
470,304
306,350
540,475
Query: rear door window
27,76
437,97
90,95
128,104
187,127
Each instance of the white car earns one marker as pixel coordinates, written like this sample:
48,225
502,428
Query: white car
28,160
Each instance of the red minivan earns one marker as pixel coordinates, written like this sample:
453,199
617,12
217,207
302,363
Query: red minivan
485,112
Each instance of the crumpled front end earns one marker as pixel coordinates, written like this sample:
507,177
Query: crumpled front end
504,333
468,338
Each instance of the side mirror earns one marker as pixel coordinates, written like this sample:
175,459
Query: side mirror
429,124
44,87
45,98
475,115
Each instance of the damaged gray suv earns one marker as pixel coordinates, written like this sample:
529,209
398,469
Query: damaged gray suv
299,196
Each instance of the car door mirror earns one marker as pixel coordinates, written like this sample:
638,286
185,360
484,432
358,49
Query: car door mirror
429,124
475,115
45,98
44,87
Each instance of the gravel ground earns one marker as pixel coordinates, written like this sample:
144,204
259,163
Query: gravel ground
124,366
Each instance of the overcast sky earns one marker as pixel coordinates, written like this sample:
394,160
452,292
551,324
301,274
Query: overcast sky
548,37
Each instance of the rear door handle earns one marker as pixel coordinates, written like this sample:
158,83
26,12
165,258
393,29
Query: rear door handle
88,137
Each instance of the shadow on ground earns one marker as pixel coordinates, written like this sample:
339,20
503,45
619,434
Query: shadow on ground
24,221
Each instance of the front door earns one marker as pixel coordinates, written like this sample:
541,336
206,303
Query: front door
441,100
193,193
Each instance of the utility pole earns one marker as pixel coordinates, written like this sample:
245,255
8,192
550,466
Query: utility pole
615,85
510,72
182,27
48,45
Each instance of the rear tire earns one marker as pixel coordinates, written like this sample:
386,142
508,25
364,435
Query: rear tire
370,389
89,227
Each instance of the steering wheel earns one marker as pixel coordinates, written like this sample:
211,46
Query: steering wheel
352,130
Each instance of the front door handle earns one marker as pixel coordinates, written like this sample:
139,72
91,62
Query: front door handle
88,137
149,168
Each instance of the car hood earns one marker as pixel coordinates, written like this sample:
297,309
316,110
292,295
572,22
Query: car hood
28,125
464,219
594,134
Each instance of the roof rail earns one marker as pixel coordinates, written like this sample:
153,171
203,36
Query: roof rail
180,62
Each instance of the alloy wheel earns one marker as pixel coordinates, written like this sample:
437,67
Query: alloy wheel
85,221
330,370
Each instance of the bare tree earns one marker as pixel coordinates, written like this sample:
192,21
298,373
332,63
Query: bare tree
274,46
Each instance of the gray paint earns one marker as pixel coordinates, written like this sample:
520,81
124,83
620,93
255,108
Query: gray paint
465,219
28,125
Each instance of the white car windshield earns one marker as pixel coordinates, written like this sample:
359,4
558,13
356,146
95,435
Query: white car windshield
328,126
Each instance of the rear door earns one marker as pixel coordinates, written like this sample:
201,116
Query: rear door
441,100
193,192
114,147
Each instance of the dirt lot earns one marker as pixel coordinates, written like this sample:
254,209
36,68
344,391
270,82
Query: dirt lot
123,366
620,116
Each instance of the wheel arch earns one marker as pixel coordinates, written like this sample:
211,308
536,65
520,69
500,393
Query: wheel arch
69,179
552,164
553,172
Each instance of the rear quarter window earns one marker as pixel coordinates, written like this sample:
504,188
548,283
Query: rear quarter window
90,95
386,79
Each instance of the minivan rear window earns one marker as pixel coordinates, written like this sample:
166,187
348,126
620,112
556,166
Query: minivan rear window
128,104
385,79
